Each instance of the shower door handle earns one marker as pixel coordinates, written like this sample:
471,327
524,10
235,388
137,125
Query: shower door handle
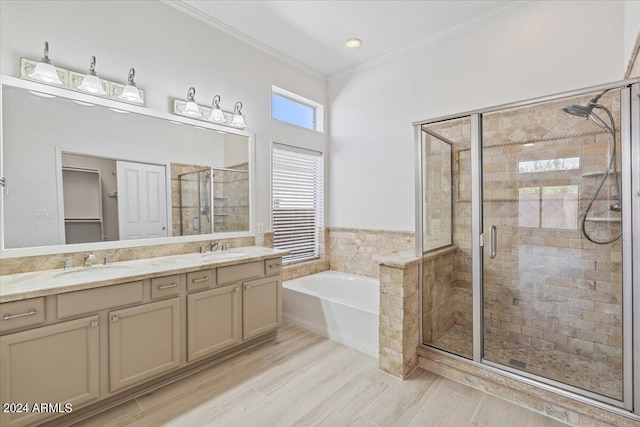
493,237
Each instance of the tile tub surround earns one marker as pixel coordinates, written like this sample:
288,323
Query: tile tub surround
53,261
554,405
399,314
40,283
355,250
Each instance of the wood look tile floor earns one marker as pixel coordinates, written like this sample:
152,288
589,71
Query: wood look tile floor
302,379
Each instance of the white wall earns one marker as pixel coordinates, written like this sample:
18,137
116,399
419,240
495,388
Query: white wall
170,52
531,49
631,27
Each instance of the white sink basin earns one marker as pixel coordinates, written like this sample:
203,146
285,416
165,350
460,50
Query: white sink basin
96,271
211,256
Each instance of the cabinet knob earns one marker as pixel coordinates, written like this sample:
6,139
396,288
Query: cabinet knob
115,318
235,289
93,324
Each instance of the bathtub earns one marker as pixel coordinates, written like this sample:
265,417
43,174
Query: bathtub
340,306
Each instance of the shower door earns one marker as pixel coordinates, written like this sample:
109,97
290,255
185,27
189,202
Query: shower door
552,259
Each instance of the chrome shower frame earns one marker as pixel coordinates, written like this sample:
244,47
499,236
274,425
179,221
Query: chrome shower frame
630,197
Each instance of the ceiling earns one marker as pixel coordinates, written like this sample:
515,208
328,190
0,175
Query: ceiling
313,33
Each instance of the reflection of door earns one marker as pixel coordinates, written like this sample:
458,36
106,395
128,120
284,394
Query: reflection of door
142,200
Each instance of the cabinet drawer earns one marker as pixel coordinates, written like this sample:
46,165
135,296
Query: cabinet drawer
235,273
165,286
273,266
201,280
18,314
92,300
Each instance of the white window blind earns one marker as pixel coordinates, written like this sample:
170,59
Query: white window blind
297,196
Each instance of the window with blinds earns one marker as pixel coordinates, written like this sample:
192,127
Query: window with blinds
297,197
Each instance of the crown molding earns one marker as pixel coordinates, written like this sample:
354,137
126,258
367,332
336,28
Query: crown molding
219,25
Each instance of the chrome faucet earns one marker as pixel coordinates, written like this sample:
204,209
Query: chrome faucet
203,249
68,263
88,260
107,259
215,246
223,246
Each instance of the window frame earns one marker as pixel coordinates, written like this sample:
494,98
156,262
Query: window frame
318,109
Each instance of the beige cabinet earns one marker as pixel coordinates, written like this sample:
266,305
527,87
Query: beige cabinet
144,342
213,321
55,364
261,306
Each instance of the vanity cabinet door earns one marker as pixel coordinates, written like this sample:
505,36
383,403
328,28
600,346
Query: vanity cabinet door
144,342
261,306
55,364
213,321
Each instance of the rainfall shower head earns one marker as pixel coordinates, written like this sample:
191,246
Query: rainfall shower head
586,111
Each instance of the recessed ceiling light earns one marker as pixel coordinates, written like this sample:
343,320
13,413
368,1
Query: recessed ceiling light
353,43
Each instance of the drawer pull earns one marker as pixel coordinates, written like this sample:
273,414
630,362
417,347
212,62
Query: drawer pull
161,287
115,319
204,279
8,316
274,265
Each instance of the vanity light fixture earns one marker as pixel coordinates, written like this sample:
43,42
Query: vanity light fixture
115,110
44,70
191,109
91,83
216,113
238,118
84,104
130,92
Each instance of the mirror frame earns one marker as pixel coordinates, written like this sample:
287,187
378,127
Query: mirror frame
11,81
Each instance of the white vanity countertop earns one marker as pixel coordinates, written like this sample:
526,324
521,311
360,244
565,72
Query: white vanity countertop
20,286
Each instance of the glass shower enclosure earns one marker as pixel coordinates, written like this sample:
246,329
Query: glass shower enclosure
527,216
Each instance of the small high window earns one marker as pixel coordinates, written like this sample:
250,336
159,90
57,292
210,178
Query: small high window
296,110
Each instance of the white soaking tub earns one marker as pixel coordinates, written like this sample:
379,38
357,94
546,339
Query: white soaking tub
340,306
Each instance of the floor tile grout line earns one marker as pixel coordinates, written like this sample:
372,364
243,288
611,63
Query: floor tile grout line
473,416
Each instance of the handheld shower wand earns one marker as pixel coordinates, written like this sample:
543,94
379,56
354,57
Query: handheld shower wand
586,111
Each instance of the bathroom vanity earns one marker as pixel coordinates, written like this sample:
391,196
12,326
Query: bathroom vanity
72,338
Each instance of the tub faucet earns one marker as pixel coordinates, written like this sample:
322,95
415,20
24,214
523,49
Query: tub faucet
223,246
203,249
107,259
215,246
88,260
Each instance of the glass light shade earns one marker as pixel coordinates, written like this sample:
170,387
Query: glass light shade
238,120
92,84
217,116
191,109
45,72
130,93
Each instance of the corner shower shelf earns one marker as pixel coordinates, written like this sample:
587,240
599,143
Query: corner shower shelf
599,173
601,219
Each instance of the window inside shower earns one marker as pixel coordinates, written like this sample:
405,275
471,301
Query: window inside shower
550,288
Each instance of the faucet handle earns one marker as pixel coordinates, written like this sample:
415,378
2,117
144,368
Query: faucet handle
223,246
68,263
107,259
88,260
203,249
215,246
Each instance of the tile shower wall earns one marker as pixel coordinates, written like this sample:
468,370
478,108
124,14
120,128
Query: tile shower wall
438,296
231,199
191,224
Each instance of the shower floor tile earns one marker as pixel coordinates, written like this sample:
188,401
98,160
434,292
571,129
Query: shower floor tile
578,371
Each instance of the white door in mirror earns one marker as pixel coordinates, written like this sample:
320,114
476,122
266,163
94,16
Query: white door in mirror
142,199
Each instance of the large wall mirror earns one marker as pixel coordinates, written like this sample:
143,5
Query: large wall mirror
82,173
